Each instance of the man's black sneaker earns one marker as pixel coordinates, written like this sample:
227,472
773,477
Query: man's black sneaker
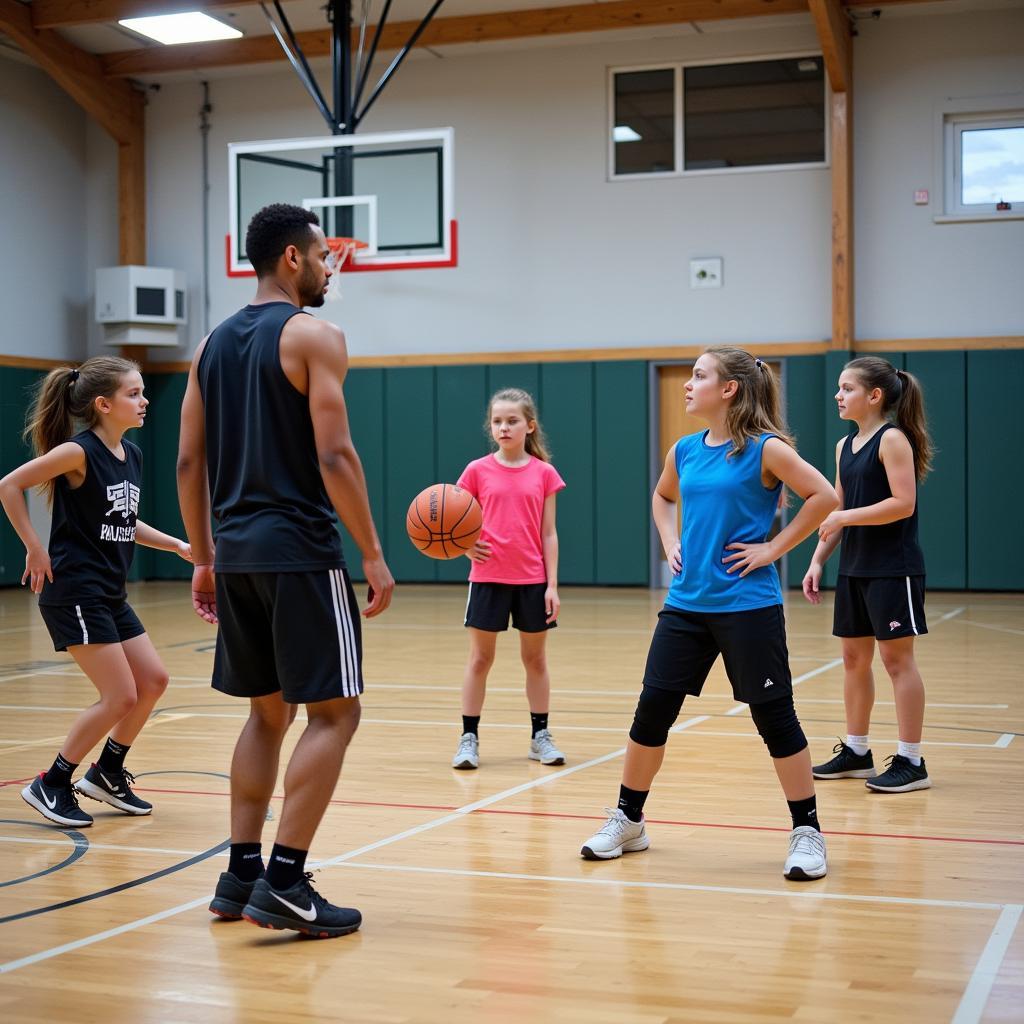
901,776
846,765
112,788
300,908
58,803
231,896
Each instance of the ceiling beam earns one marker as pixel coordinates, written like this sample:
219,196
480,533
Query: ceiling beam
472,28
833,27
115,105
66,13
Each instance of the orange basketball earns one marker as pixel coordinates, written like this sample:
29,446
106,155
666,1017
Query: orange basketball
444,521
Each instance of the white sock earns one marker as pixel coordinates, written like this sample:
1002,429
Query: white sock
911,751
858,744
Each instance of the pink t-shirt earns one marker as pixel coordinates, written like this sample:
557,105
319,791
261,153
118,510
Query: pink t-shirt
512,499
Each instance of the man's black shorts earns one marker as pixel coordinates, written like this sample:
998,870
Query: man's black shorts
294,632
752,644
94,622
885,607
490,605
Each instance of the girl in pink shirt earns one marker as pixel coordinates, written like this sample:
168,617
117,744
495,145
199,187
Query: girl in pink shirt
515,567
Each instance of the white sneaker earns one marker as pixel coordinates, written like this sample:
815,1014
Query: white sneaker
543,749
468,754
617,836
806,859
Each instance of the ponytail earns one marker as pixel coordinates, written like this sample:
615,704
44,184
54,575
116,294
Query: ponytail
66,397
902,402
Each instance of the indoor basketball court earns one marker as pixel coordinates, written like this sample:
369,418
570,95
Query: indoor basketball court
575,200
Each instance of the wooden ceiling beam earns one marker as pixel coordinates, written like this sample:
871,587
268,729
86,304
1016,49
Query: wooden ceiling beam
471,28
115,105
67,13
833,27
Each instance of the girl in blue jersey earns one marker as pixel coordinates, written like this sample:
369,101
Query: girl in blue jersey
725,596
93,480
880,587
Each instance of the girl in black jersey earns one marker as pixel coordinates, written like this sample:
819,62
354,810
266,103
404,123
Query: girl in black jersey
880,589
93,481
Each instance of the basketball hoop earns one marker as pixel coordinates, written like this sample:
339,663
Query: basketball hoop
342,250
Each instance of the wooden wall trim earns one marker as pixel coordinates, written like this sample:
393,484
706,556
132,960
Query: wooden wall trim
661,353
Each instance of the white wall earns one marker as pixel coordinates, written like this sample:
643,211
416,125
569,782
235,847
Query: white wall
45,283
916,278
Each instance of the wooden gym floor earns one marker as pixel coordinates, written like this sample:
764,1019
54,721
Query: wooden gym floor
477,906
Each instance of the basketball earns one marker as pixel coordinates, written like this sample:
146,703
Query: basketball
444,521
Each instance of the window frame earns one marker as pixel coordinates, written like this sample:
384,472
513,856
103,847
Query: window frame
679,113
954,124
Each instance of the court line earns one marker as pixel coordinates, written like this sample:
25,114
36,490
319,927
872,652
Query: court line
153,720
109,847
731,890
998,629
1005,740
972,1003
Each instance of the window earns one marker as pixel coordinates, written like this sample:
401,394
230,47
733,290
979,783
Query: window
718,117
984,164
644,122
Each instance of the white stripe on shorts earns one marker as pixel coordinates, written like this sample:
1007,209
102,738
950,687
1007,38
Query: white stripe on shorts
469,595
910,606
346,636
81,622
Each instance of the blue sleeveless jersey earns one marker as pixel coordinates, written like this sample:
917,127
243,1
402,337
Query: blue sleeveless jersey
724,502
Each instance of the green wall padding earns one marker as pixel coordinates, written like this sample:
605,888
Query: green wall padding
942,498
622,501
568,418
16,385
995,487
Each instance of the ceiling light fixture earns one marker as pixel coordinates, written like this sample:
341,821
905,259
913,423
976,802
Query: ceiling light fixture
191,27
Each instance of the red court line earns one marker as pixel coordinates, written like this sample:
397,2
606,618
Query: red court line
594,817
15,782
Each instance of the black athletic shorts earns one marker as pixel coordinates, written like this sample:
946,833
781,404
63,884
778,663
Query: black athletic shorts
752,644
489,606
94,622
885,607
297,633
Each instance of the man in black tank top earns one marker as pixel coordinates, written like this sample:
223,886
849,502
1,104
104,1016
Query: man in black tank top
265,446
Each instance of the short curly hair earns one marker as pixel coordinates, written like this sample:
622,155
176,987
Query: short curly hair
272,230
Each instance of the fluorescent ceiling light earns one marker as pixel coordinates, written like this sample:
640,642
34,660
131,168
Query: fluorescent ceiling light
192,27
623,133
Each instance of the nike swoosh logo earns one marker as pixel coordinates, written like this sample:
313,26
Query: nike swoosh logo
110,785
306,915
49,803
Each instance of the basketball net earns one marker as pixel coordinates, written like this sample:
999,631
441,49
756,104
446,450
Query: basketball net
341,252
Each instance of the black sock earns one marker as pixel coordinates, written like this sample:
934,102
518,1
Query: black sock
246,864
112,757
631,803
538,722
60,774
286,867
471,723
805,812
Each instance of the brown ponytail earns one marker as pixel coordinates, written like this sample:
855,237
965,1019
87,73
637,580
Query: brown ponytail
902,402
67,397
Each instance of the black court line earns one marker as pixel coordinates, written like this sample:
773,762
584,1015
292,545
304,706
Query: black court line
79,845
180,866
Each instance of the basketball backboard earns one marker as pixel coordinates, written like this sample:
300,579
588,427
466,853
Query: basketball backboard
391,190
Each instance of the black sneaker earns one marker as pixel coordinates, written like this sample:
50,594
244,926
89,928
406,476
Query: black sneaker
58,803
300,908
231,896
846,765
112,788
901,776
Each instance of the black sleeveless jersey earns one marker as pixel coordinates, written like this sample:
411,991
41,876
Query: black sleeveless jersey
888,550
92,528
269,501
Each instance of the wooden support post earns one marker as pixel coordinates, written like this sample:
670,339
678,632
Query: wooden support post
837,48
131,196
